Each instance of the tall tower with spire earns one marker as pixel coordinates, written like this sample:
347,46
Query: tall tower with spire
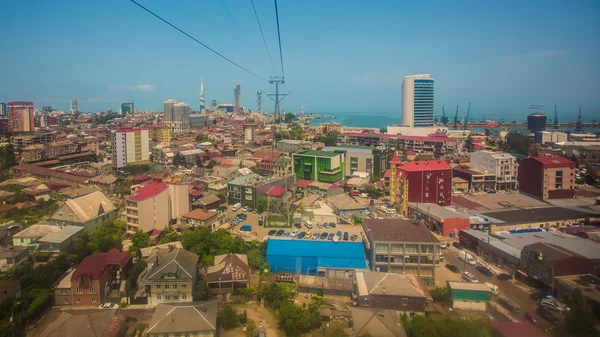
202,105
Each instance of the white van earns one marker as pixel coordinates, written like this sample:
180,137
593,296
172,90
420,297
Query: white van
308,224
493,288
468,258
236,207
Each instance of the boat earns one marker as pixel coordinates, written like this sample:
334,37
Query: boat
333,117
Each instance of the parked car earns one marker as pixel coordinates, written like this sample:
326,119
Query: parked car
493,288
552,304
108,306
332,224
345,236
538,296
452,268
504,277
469,277
326,225
280,232
308,224
294,233
532,318
330,236
245,208
272,232
255,211
353,237
547,315
364,195
319,225
372,202
301,235
315,236
443,245
507,303
286,234
323,236
339,234
485,271
308,234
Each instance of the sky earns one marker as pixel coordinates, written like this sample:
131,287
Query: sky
339,56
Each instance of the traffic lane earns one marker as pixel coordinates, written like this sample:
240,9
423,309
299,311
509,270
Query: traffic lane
507,288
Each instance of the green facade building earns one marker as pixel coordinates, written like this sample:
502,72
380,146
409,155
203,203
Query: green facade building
364,159
469,296
127,109
316,165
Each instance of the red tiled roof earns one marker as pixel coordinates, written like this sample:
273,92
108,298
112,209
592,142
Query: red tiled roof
410,153
303,183
516,329
387,174
395,158
156,232
141,179
196,193
555,161
276,191
94,265
426,165
199,214
152,189
334,187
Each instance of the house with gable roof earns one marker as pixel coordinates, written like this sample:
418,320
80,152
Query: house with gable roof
88,211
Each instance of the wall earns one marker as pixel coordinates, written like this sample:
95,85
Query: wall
417,187
531,177
157,289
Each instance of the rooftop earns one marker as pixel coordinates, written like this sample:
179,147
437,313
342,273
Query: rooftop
436,210
426,165
183,317
229,267
539,214
326,253
85,323
61,235
95,265
151,189
588,284
398,230
179,262
317,153
516,329
376,322
553,162
468,286
199,214
35,231
392,284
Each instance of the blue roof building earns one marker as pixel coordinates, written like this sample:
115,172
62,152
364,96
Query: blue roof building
306,256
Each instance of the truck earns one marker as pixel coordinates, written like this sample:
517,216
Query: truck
508,304
468,258
236,207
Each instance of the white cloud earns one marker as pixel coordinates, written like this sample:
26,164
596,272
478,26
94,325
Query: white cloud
139,87
144,87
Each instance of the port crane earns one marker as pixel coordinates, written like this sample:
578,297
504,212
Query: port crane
466,122
444,119
456,119
556,126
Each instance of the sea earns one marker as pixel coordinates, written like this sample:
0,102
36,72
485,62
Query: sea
381,121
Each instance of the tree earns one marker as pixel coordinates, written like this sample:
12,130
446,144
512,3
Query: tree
178,160
330,139
357,220
132,276
518,143
297,133
8,157
580,320
139,239
372,190
229,321
261,204
469,144
201,291
442,296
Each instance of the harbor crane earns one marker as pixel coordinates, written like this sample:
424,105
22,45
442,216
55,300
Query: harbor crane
466,122
456,119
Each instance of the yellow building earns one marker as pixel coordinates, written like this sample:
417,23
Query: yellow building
398,185
161,133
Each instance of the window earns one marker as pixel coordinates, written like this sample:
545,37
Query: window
167,297
166,286
92,290
184,296
77,300
174,286
93,300
175,297
405,302
158,297
184,285
158,286
66,300
79,291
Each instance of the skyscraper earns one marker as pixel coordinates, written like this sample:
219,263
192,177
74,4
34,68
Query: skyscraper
177,116
202,104
417,100
2,109
127,108
20,117
169,110
74,107
237,92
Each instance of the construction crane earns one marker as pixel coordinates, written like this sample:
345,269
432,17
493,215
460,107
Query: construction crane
456,119
555,118
466,122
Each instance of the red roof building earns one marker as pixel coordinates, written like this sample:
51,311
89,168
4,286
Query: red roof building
547,177
96,274
275,191
303,183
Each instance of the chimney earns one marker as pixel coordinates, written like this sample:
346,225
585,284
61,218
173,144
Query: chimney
157,259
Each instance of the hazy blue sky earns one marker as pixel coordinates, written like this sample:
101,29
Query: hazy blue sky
339,55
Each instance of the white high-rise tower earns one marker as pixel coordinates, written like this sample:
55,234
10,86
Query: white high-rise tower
417,100
202,105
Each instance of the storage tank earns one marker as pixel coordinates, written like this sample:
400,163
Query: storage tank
536,122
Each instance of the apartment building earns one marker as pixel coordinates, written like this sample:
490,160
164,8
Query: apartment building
374,161
501,164
96,280
156,205
403,247
130,147
317,165
162,133
170,276
34,138
547,177
420,181
38,152
477,181
249,188
20,117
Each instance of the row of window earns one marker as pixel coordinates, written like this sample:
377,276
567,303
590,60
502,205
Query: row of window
168,297
423,259
80,290
167,286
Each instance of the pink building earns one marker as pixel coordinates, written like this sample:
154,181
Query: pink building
20,117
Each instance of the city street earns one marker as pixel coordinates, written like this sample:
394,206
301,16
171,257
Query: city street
515,290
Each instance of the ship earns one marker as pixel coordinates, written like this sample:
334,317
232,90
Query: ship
333,117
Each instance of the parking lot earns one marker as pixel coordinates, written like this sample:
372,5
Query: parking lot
262,232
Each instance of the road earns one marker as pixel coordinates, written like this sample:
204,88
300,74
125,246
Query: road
515,290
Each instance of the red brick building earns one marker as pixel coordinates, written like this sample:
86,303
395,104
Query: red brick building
424,181
20,117
92,282
547,177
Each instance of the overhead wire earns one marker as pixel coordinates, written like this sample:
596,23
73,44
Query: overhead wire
234,22
196,40
279,39
263,35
